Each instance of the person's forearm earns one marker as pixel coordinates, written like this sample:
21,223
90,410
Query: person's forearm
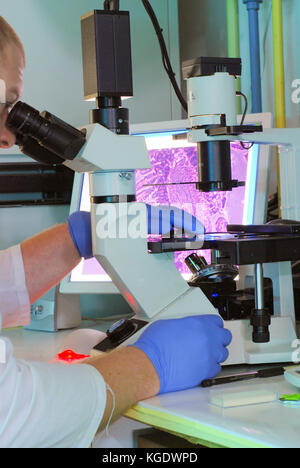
131,376
48,257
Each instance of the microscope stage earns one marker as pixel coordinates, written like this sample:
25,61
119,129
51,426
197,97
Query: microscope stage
245,249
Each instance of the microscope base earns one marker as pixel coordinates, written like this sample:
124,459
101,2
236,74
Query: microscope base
242,350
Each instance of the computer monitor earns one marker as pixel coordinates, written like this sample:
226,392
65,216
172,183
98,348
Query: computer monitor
175,161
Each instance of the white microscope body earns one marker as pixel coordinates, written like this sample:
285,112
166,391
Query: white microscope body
151,283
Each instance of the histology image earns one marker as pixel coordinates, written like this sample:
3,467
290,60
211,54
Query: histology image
179,164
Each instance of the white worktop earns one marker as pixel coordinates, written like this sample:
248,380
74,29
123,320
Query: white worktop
270,424
44,346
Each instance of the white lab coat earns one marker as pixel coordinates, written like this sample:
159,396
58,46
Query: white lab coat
41,405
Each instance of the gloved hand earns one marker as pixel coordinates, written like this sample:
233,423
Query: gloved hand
185,351
81,233
162,219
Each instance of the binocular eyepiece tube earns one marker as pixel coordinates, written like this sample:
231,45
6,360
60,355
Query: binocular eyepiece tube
43,136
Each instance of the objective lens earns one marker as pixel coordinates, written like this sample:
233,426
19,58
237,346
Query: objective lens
260,320
214,166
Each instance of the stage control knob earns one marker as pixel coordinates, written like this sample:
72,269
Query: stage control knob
121,330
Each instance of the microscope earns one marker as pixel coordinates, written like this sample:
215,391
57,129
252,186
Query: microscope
144,271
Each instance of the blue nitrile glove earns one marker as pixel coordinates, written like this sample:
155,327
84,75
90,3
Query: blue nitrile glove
163,219
80,228
185,351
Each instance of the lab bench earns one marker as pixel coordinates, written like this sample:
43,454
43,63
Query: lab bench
189,414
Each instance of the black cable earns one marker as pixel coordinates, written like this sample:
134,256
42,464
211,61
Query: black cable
164,53
238,93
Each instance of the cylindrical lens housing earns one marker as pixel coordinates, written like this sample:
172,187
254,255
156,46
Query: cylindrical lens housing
214,166
115,119
111,115
195,263
25,120
33,149
260,321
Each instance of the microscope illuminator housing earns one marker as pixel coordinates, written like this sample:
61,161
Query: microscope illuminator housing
211,91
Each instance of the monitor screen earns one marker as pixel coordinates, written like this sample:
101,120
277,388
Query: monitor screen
174,161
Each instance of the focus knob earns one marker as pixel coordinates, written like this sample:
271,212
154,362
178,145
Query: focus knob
121,330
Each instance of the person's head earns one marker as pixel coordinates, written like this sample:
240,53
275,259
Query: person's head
12,64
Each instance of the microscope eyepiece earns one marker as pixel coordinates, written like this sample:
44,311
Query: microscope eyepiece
24,119
48,131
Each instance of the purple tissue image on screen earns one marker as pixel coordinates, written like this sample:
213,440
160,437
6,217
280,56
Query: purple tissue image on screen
92,267
215,209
